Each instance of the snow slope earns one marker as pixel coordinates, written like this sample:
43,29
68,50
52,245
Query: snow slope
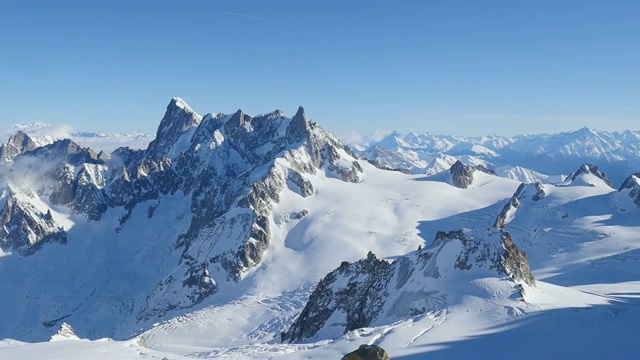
580,237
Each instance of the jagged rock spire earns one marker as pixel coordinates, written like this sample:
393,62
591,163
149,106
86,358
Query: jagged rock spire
178,118
298,126
590,169
461,175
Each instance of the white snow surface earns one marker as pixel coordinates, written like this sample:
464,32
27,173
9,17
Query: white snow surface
585,303
581,240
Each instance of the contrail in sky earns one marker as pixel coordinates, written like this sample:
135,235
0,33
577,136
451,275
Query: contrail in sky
254,18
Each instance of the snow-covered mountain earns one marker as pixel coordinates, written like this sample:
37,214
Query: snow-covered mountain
203,191
374,291
523,157
230,233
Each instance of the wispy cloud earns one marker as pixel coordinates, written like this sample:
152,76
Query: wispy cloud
254,18
357,137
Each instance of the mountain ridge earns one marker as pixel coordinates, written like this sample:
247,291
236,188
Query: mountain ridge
269,228
618,153
228,168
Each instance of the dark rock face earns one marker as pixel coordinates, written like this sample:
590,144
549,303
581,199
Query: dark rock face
361,298
367,352
590,169
484,169
176,121
632,183
231,169
369,289
24,229
228,170
514,261
461,175
18,143
535,191
510,261
511,205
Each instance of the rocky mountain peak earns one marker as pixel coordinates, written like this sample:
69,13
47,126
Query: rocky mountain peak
461,175
360,295
357,294
217,178
299,126
633,181
588,169
534,192
24,228
178,119
585,132
632,184
179,103
17,144
64,333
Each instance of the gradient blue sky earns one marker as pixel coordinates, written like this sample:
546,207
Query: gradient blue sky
458,67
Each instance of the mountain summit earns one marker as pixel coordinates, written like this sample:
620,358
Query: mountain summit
214,178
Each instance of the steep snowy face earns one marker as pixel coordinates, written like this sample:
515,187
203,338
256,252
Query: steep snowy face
557,195
388,159
521,174
372,291
439,164
215,179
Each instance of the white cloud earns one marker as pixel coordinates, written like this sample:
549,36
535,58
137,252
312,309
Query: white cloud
357,137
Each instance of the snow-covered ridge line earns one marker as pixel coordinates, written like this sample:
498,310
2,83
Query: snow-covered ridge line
618,153
214,178
210,242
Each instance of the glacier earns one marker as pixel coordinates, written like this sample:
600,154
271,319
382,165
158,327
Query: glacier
219,238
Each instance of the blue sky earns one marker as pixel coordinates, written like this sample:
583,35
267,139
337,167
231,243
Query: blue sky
458,67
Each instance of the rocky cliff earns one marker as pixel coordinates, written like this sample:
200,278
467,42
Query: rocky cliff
359,294
225,171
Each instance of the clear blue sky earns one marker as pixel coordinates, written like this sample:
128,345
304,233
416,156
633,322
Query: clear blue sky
459,67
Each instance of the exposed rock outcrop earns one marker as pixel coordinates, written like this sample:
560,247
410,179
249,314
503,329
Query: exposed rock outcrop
64,333
25,229
462,175
360,297
359,294
535,192
588,169
367,352
632,185
227,170
19,143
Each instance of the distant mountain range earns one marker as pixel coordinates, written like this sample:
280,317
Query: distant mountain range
527,158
